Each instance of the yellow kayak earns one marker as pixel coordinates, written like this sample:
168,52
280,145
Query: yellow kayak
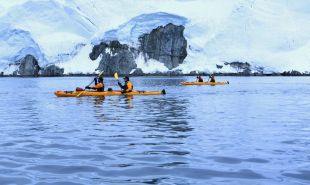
105,93
204,83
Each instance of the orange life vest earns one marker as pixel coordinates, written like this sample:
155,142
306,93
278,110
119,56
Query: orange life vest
99,87
129,86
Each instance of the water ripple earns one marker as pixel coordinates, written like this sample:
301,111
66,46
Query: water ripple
253,131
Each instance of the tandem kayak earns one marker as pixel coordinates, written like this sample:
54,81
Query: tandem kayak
204,83
105,93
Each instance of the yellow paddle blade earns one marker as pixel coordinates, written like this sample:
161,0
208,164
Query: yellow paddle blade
116,76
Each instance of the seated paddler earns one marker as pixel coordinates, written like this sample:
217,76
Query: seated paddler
99,85
127,87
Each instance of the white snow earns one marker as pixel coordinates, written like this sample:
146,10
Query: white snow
10,69
273,34
80,63
129,32
151,66
16,43
55,27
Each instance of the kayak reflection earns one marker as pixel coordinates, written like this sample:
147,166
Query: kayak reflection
129,101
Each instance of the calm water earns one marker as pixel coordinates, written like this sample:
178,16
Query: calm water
254,131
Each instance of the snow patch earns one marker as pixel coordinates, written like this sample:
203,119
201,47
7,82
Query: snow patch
150,66
10,69
81,62
129,32
271,34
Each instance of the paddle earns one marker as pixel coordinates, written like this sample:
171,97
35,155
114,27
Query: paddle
116,76
99,75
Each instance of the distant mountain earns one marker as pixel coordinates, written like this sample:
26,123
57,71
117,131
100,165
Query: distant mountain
272,35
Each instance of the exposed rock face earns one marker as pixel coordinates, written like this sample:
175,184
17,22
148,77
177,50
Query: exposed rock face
116,57
243,68
291,73
52,70
175,73
219,66
28,66
166,44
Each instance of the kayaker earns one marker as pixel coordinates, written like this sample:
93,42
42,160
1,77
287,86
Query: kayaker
127,87
212,78
199,78
99,85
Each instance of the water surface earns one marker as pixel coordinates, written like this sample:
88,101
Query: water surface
253,131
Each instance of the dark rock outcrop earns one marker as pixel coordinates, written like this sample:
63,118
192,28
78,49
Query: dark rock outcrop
166,44
116,57
193,73
175,72
243,68
52,70
219,66
291,73
28,66
259,69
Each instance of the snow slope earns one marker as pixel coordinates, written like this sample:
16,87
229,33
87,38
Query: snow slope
130,31
55,27
272,34
267,33
15,44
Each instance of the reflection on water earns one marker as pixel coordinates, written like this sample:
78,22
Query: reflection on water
249,132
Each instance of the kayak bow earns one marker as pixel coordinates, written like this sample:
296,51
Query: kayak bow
105,93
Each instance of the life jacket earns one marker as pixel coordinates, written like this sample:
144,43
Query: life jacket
129,86
99,87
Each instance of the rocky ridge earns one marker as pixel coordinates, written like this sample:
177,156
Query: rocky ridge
165,44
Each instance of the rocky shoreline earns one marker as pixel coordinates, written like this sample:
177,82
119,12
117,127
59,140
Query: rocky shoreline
283,74
166,45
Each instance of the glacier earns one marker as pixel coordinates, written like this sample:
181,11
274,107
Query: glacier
129,32
270,34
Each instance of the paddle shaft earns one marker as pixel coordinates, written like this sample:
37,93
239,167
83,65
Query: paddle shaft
89,84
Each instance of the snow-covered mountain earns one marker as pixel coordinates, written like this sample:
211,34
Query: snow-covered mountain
129,32
16,43
271,34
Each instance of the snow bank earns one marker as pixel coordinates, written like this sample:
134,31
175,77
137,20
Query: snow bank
273,34
150,66
80,63
55,27
129,32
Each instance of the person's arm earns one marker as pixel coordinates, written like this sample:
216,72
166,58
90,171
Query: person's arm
96,81
88,87
120,85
